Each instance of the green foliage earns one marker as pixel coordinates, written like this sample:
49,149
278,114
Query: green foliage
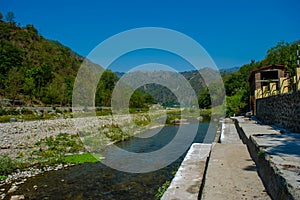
103,112
33,68
10,17
81,158
174,112
171,118
234,104
2,177
237,86
105,87
260,152
7,165
173,115
142,120
52,149
204,100
161,190
115,133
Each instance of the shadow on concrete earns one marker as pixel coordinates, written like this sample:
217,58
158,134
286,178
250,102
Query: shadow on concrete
250,168
278,144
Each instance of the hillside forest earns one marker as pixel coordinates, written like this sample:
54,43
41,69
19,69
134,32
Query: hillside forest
42,72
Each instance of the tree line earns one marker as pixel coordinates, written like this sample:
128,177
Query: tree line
42,72
237,86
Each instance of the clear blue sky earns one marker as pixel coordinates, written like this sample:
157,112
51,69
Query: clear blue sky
232,31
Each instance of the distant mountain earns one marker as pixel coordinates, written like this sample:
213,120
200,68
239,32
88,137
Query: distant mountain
229,70
163,94
119,74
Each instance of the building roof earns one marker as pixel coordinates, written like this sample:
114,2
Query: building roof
274,66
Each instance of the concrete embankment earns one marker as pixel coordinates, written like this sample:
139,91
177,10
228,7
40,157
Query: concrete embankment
229,172
276,153
188,180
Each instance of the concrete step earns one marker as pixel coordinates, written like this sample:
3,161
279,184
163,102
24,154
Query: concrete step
231,174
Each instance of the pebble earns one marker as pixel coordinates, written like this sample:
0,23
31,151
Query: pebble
12,189
17,197
2,196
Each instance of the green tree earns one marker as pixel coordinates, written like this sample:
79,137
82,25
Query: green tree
14,83
105,87
204,99
10,17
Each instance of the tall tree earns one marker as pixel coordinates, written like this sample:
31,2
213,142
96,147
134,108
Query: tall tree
10,17
204,100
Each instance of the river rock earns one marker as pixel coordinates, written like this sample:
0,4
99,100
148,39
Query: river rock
17,197
12,189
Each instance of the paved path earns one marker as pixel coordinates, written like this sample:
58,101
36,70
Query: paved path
277,154
231,173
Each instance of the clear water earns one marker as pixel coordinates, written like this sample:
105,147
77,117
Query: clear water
97,181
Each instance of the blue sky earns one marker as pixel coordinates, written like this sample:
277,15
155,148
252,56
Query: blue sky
233,32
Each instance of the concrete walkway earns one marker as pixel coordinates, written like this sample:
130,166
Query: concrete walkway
277,155
230,169
231,173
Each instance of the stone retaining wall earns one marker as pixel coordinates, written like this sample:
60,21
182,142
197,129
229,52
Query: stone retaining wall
281,110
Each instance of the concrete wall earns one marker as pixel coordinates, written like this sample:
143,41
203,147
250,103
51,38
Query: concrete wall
281,110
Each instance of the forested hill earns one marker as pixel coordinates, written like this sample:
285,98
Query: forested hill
42,71
33,68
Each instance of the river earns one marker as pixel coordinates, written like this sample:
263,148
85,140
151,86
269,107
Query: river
97,181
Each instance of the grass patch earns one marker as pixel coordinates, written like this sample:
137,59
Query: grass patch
51,149
115,133
174,112
7,165
81,158
260,152
103,112
3,177
161,190
142,120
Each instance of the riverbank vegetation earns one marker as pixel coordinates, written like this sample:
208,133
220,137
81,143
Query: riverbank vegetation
237,86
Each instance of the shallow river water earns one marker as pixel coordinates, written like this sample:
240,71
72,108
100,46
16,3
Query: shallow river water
97,181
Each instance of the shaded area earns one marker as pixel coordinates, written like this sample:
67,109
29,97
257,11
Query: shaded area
280,144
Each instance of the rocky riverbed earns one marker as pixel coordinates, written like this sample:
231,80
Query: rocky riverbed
18,140
19,137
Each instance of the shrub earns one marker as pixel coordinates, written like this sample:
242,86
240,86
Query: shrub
7,165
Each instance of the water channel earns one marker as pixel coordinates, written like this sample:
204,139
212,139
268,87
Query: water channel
97,181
